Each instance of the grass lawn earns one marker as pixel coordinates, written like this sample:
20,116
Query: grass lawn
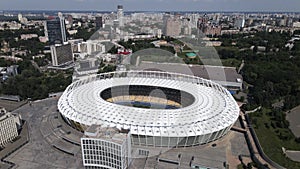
269,138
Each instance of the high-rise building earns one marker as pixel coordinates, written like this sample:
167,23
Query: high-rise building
61,54
70,19
56,30
166,16
99,22
106,148
208,28
173,26
9,127
187,26
120,15
239,22
20,16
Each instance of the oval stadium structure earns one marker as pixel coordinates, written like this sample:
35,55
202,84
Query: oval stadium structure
158,108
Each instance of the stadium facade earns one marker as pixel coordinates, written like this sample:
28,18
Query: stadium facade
159,109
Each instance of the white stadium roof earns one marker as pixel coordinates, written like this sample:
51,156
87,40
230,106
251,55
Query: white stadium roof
214,108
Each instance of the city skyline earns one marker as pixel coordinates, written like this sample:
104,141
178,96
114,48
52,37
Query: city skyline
156,5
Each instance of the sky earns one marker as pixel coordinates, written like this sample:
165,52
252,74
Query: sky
155,5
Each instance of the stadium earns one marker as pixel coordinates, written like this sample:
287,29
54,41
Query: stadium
159,109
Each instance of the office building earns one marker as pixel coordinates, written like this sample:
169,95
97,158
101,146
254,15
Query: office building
56,31
9,127
99,22
106,148
61,54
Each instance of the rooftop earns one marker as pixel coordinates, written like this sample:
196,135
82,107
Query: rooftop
191,55
213,108
106,133
215,73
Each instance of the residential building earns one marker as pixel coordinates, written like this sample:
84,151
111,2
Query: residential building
173,26
208,28
239,22
296,24
120,15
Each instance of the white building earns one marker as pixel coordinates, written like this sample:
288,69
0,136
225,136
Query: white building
28,36
106,148
296,24
89,47
8,127
62,27
20,16
120,15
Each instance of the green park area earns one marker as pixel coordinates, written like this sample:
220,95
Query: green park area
272,76
273,133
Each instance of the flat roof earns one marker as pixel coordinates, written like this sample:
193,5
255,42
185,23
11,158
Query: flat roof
215,73
105,133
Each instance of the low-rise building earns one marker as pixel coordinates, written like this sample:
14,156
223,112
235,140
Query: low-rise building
225,76
61,54
9,125
6,72
105,147
28,36
296,24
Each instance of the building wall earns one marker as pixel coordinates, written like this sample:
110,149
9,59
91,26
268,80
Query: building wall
160,141
8,130
208,28
106,154
56,31
61,54
99,22
120,15
171,142
173,27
